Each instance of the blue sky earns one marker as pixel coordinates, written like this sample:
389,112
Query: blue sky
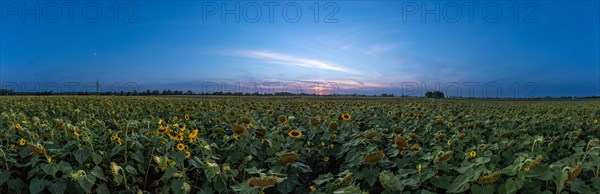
546,48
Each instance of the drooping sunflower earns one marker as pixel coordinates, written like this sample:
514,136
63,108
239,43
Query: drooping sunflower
295,134
314,122
238,129
288,158
346,116
373,157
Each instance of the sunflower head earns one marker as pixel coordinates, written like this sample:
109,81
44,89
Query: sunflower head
262,182
473,154
18,126
333,125
373,157
489,179
371,135
346,116
314,122
282,118
162,129
34,136
187,154
295,134
400,142
288,158
416,148
180,147
238,129
22,142
261,133
217,130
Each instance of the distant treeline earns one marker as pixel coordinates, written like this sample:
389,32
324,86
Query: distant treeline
431,94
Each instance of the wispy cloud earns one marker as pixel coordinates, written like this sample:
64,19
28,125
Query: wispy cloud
279,58
378,49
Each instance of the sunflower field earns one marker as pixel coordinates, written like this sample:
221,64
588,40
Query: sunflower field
297,145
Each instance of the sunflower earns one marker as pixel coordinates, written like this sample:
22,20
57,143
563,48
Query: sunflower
473,154
333,125
180,147
282,119
314,122
187,117
288,158
18,126
193,139
416,148
346,116
238,129
400,142
35,136
312,188
326,159
595,121
179,137
419,167
373,157
162,129
449,142
109,102
295,134
187,154
22,142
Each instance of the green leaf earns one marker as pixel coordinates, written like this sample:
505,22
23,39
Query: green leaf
484,189
97,159
57,187
442,182
102,189
177,186
323,178
370,175
82,155
50,169
287,185
37,185
16,184
97,171
4,175
596,183
131,170
542,173
560,179
461,182
579,186
302,167
87,182
253,170
168,174
390,182
243,188
510,186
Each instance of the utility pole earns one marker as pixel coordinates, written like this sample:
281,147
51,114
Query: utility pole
97,87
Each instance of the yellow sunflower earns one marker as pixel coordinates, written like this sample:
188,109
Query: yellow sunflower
473,154
22,142
295,134
35,136
346,116
18,126
313,188
180,147
187,154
